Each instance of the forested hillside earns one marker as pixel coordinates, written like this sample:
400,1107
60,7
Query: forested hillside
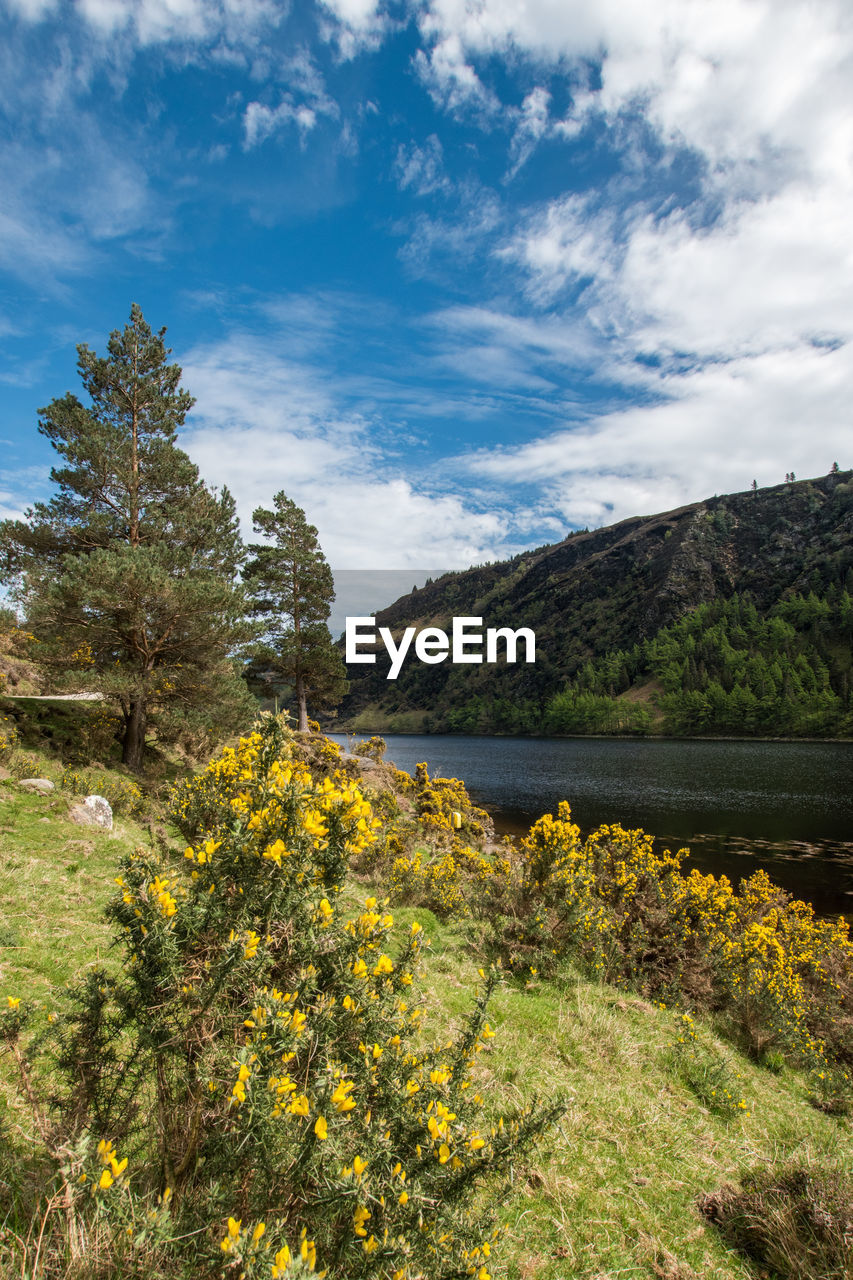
724,668
732,615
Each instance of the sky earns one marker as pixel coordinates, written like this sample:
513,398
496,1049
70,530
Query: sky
459,276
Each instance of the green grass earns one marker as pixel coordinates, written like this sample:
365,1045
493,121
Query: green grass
611,1193
55,879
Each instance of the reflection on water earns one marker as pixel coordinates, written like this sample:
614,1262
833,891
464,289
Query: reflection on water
783,806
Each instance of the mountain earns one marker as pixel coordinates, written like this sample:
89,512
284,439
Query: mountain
611,592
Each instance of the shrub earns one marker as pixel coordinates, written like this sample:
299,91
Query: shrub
782,977
259,1060
24,764
95,734
797,1221
124,796
706,1072
8,739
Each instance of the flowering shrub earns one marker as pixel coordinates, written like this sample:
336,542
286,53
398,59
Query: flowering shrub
444,808
24,764
783,977
259,1060
706,1072
123,795
96,734
8,739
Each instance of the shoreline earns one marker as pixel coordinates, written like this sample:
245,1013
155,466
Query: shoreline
591,737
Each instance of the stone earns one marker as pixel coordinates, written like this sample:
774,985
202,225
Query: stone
43,785
94,811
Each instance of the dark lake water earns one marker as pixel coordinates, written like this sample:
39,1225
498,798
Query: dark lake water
783,806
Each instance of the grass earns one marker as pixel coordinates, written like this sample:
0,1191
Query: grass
613,1191
55,879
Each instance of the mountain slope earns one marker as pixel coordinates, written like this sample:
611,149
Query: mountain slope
605,590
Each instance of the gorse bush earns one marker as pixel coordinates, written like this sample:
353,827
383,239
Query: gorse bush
24,764
781,977
8,739
432,854
259,1061
124,796
706,1072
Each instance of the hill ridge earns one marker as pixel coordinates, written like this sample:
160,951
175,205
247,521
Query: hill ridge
608,589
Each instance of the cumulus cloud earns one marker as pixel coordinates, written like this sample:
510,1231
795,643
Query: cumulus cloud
720,427
721,306
263,423
725,77
355,26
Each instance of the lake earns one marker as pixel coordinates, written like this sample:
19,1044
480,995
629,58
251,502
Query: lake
783,806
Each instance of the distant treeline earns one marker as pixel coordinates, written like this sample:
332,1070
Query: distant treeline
723,668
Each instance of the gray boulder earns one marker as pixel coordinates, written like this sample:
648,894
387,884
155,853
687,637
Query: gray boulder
42,785
94,811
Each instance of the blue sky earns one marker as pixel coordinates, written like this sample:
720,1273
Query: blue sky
458,277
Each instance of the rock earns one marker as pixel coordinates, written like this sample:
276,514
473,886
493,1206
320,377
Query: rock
94,811
4,774
42,785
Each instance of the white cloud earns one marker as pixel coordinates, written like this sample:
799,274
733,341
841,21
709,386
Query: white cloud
421,169
451,79
721,427
61,203
260,122
32,10
35,245
533,125
302,75
183,21
19,488
460,235
487,343
766,275
759,88
262,423
356,25
725,310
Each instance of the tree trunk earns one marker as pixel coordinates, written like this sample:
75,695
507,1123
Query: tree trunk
134,736
302,703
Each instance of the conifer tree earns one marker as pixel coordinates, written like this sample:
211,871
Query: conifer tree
292,590
130,571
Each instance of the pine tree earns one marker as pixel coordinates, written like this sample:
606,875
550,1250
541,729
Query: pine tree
129,574
292,590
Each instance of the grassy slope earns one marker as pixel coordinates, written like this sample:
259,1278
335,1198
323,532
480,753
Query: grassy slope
611,1194
55,880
